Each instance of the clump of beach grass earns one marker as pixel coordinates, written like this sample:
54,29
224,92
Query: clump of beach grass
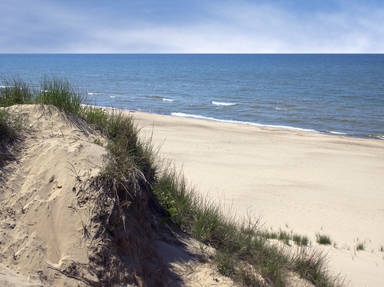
360,246
311,265
61,94
323,239
10,127
98,142
286,237
7,126
300,240
15,91
242,250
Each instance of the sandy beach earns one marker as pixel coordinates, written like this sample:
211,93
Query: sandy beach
298,181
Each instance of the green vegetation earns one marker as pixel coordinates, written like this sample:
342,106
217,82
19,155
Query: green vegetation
15,91
10,126
61,94
360,246
242,250
98,142
323,239
300,240
286,237
7,130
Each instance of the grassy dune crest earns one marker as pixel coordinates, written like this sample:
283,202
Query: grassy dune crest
243,252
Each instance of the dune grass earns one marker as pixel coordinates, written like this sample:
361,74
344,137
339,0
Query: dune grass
323,239
360,246
10,130
300,240
60,93
7,130
286,237
15,91
242,250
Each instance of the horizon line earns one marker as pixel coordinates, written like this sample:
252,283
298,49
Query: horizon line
166,53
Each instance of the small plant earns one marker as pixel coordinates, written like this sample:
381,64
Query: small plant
334,245
225,263
9,126
381,249
6,131
323,239
284,236
300,240
360,246
98,142
269,234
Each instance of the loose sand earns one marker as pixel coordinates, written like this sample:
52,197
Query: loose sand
294,180
47,211
41,222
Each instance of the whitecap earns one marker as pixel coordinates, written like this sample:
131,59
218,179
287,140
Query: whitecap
337,133
167,100
281,109
222,103
380,137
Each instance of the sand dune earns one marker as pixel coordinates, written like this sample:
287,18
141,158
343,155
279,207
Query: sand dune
41,221
49,235
301,181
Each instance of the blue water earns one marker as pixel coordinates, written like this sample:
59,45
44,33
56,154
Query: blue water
326,93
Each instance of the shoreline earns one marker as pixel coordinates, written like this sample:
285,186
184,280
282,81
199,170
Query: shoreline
255,124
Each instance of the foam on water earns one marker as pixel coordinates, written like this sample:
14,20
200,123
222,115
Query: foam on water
167,100
337,133
200,117
222,103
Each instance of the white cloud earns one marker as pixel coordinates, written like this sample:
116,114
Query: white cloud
229,29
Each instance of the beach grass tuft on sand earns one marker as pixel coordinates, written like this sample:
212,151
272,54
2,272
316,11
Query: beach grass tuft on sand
323,239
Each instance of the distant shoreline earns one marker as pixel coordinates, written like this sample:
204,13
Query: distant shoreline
276,127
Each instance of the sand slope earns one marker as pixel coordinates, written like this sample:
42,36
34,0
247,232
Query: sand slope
41,221
294,180
47,212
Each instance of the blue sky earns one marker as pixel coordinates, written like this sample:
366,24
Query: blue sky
191,26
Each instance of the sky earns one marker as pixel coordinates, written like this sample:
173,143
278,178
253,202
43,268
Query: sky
191,26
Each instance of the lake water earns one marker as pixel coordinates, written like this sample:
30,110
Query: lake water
340,94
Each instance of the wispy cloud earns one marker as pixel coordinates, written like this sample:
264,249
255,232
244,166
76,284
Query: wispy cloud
221,27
